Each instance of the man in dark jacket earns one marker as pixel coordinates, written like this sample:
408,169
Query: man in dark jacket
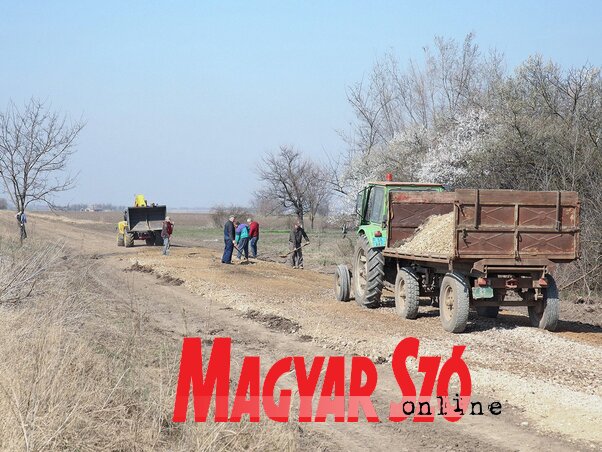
22,220
229,240
297,234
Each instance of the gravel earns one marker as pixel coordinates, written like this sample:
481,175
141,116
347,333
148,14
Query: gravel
434,237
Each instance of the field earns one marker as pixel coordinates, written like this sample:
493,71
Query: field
327,248
101,362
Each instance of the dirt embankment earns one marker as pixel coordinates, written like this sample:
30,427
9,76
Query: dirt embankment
549,379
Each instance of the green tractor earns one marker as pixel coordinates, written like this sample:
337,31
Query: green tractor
373,216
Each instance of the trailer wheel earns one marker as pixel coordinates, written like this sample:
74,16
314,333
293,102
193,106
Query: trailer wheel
120,241
128,239
454,303
342,283
407,291
368,273
545,314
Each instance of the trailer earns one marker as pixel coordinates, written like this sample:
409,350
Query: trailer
503,246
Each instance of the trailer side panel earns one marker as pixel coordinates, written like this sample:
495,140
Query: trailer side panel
517,224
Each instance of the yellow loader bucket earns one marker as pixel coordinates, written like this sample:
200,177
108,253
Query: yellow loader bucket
139,201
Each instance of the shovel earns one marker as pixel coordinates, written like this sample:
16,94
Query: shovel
292,251
241,252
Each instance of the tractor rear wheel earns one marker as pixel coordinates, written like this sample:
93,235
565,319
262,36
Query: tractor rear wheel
368,273
454,303
407,293
128,239
150,241
545,314
158,239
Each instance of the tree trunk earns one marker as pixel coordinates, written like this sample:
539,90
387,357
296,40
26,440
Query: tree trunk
300,216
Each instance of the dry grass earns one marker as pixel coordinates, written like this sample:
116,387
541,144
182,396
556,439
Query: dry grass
83,370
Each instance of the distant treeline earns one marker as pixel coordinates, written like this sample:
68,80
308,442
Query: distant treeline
90,207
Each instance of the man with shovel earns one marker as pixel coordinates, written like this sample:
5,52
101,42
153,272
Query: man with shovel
297,234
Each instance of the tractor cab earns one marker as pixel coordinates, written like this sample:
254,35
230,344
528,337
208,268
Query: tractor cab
372,207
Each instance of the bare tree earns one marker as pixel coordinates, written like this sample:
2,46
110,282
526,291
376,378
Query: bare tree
267,206
220,213
318,196
35,147
295,182
402,113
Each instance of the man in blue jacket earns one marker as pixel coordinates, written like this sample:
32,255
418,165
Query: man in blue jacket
242,240
229,240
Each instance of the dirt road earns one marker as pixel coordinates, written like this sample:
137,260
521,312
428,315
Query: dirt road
548,383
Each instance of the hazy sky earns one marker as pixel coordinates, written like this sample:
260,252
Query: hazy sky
182,98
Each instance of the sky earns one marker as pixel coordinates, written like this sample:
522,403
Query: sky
182,98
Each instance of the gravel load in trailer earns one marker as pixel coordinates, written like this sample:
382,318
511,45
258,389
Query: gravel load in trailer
434,237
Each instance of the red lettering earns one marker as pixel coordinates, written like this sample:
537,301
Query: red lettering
217,378
406,348
275,412
334,381
359,396
429,365
248,383
307,384
455,365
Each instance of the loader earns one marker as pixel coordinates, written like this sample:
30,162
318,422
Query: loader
141,222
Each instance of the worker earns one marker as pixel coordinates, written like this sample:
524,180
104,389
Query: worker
166,232
253,235
242,239
229,240
297,234
22,220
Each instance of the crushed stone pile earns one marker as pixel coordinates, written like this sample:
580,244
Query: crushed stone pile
434,237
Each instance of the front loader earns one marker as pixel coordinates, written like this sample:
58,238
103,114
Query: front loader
141,222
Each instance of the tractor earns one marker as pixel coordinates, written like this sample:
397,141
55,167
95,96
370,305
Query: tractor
141,222
500,248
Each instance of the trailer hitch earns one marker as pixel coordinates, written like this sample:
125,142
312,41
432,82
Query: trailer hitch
511,283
